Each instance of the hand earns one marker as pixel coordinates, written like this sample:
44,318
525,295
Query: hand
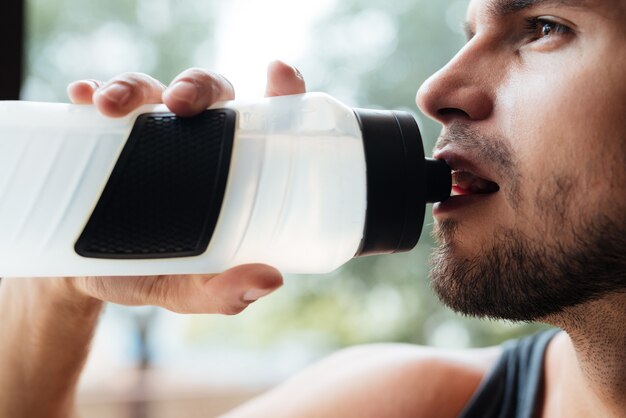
46,340
189,93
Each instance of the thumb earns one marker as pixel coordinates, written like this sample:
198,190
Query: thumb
283,79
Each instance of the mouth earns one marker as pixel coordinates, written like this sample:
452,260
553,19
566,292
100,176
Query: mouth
465,183
471,183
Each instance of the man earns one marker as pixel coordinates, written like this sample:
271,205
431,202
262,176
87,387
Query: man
532,109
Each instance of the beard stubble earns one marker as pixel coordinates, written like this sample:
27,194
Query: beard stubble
516,277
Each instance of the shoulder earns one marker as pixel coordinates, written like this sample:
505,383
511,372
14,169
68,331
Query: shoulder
390,380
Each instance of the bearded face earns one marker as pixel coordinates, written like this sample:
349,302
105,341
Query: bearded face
534,130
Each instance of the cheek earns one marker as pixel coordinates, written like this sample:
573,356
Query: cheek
567,131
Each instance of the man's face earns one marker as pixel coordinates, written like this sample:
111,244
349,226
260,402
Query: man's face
534,115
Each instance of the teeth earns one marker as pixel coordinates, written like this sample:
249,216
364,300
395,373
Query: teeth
471,183
461,177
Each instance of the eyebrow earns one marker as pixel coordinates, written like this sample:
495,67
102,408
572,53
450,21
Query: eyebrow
502,8
507,7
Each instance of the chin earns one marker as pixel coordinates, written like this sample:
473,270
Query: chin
462,241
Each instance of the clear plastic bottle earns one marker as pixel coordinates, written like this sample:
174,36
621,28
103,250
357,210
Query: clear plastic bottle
302,182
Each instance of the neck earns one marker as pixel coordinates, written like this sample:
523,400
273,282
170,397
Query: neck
597,335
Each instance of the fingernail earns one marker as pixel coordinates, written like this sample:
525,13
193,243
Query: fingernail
183,91
93,83
254,294
298,73
117,93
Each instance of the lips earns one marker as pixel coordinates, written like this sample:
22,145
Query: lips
472,182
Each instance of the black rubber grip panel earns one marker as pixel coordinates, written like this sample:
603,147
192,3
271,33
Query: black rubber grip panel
165,193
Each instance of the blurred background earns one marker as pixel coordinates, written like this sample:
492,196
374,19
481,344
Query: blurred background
148,362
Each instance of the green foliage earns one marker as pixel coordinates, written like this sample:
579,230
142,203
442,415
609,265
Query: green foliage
73,39
384,50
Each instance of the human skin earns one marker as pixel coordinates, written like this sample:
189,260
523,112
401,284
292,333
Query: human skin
558,106
556,102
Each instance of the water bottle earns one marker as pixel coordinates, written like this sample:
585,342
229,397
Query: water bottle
303,183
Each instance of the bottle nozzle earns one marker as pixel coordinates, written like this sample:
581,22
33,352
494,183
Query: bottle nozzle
438,177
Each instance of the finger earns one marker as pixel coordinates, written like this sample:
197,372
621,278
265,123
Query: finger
283,79
81,91
227,293
195,89
126,92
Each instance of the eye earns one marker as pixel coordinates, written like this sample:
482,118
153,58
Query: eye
540,28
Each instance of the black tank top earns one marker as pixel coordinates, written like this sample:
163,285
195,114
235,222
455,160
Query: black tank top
510,389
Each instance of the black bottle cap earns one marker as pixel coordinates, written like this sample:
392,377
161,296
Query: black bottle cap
400,181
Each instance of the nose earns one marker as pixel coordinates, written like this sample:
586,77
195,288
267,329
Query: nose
463,90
